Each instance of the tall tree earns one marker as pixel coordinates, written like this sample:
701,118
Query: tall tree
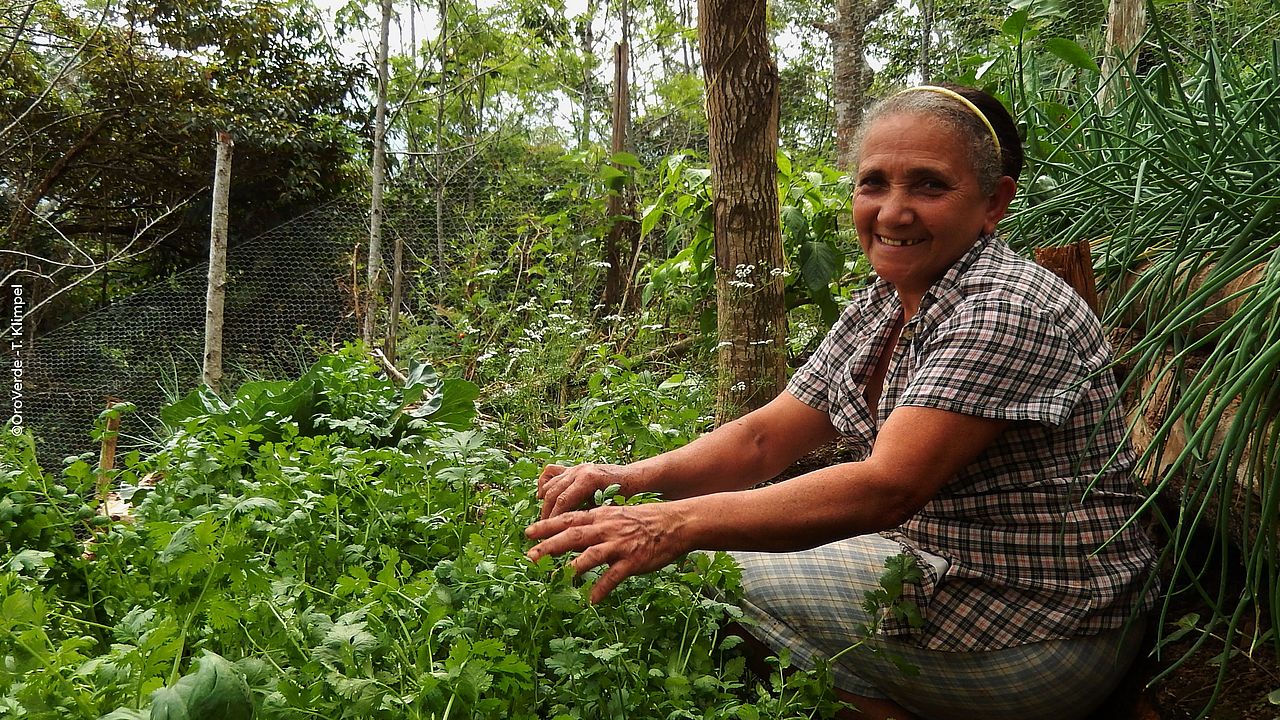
853,75
619,202
742,118
928,13
376,184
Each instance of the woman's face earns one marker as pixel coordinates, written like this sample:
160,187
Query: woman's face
917,205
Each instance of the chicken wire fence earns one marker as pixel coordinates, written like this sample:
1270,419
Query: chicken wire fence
290,297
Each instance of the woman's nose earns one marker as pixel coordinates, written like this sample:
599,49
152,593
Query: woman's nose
895,209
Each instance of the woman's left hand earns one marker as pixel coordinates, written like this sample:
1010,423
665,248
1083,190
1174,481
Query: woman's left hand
630,539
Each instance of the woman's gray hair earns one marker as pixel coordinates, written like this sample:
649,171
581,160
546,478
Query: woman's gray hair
984,157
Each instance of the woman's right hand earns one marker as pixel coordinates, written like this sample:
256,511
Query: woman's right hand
562,489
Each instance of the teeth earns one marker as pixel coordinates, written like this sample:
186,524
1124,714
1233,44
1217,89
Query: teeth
894,242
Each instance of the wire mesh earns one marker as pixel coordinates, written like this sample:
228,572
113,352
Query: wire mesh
290,297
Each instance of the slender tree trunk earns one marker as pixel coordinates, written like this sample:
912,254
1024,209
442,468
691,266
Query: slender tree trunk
379,172
742,119
684,37
927,12
851,76
616,275
413,138
1126,24
587,46
441,167
216,290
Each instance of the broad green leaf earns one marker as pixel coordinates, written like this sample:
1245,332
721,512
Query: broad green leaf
651,215
819,262
215,690
626,159
795,223
33,563
126,714
1071,53
251,504
613,178
167,704
421,373
457,403
1057,115
198,402
1015,24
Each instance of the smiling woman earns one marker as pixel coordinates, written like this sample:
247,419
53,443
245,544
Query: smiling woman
919,205
991,450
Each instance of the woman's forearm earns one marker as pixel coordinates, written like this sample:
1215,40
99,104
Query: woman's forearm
739,454
804,512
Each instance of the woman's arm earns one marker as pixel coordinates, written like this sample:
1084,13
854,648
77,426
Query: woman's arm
917,451
737,455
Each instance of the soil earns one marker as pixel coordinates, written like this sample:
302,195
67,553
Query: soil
1173,688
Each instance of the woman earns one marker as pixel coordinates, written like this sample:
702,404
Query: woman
992,450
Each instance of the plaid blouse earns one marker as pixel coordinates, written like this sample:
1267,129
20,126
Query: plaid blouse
1035,528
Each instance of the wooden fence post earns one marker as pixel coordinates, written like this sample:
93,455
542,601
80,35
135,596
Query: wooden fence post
216,291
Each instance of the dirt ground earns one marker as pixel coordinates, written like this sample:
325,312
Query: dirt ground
1185,691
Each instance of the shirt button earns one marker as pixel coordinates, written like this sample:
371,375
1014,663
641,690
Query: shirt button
907,334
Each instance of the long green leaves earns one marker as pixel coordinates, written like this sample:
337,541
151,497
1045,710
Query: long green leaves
1178,188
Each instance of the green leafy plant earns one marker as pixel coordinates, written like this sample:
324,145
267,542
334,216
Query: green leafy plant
339,392
280,574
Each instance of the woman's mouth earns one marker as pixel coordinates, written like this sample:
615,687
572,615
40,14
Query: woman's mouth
899,242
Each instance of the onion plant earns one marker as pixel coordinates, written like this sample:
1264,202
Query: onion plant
1177,189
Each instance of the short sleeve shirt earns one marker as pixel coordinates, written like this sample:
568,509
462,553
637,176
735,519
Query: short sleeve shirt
1036,529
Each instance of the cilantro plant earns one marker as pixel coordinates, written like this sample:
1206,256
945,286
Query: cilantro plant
344,546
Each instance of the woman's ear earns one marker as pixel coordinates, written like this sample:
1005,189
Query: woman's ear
998,203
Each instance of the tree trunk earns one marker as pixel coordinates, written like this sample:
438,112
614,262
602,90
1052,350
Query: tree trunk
379,171
927,13
616,276
852,76
742,121
587,45
216,288
1126,24
441,169
1073,263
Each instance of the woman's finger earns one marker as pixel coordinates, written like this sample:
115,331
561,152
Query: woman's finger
548,473
610,579
572,497
564,533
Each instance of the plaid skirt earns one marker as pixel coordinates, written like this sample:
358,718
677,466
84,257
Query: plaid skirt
810,602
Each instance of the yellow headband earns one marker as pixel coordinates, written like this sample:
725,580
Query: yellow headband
964,101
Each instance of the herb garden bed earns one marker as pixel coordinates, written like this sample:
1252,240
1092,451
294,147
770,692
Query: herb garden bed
367,563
